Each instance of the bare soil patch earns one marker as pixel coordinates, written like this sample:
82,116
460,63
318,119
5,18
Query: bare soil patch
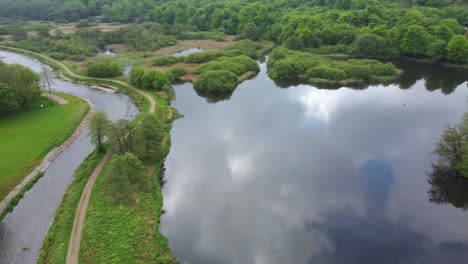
205,44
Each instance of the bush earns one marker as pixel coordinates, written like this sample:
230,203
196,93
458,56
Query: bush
205,56
356,71
166,60
155,80
216,81
237,65
82,24
384,69
325,72
218,36
247,47
57,56
177,72
103,69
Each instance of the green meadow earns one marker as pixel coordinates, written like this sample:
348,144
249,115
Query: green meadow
26,137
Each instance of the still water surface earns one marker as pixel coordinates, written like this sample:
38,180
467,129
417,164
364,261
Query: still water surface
308,175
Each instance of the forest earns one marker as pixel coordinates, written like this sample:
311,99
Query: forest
359,28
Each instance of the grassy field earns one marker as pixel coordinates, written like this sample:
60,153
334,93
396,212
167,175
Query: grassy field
28,136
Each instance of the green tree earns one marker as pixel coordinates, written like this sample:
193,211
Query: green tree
126,173
457,49
160,80
122,132
372,46
451,148
149,134
437,50
251,32
99,127
416,40
23,82
136,76
8,101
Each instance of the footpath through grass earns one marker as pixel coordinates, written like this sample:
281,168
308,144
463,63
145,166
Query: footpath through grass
28,136
55,244
129,232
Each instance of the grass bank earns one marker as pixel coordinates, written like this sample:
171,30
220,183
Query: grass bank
55,244
29,136
129,232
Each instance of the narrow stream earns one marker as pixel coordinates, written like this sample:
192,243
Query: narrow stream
22,231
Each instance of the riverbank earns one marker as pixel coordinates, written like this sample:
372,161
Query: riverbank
54,129
55,245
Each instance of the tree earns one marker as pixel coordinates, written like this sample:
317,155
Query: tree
127,166
126,173
451,147
98,128
372,46
149,135
136,75
160,80
251,32
457,49
437,50
416,40
122,132
8,101
23,82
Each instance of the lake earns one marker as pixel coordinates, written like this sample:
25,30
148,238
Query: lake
306,175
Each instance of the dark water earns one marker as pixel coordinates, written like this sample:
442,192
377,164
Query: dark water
307,175
186,52
22,231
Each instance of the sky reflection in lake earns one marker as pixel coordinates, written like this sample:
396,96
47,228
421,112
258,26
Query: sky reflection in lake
307,175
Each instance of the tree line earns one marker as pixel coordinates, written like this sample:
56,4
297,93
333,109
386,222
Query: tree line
427,28
19,88
137,144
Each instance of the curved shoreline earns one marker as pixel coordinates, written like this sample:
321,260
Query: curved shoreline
48,159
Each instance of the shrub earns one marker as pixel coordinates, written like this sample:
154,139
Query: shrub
384,69
325,72
136,75
356,71
237,65
155,80
247,47
104,69
205,56
166,60
177,72
57,56
216,81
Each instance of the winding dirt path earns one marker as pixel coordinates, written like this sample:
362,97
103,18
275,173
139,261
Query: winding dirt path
73,252
147,96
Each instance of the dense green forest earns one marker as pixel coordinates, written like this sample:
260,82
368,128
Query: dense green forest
361,28
321,41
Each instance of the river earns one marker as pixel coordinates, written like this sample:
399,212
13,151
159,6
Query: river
22,230
300,174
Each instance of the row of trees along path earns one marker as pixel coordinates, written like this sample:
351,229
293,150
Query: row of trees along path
73,252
